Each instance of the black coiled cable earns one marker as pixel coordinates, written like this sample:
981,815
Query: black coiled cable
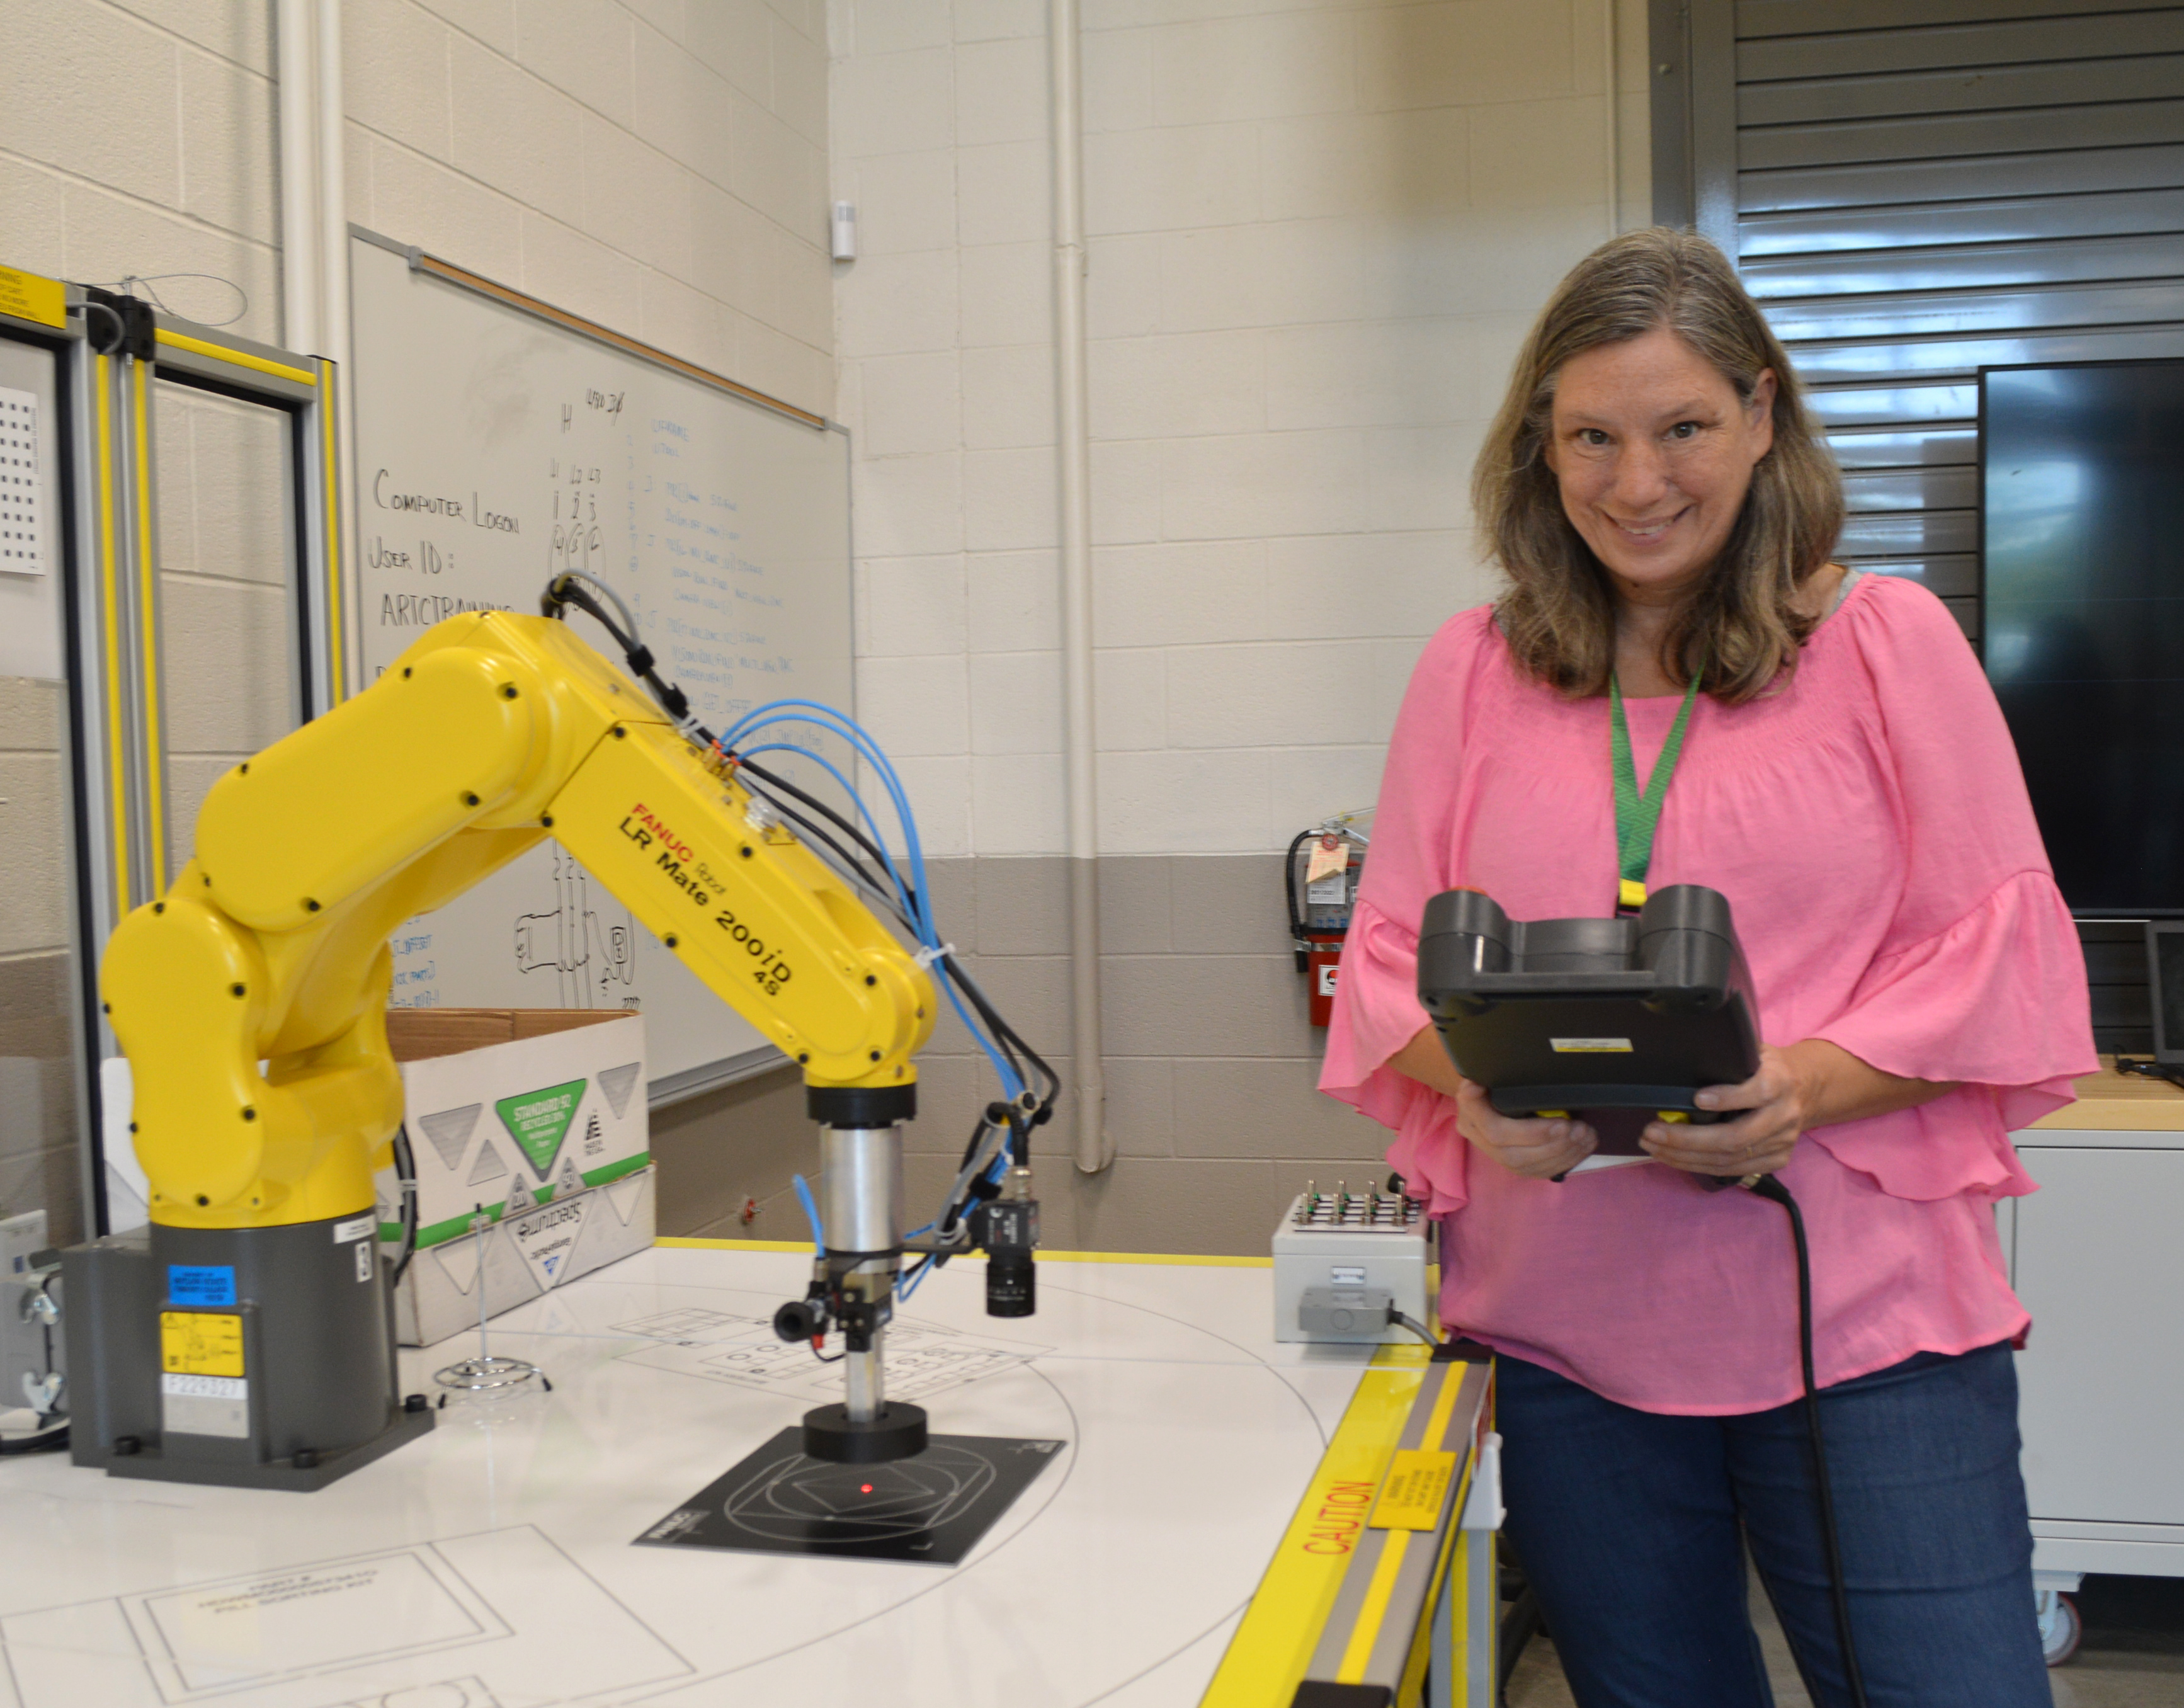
1770,1187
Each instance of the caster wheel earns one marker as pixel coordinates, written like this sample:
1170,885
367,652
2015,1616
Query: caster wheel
2060,1629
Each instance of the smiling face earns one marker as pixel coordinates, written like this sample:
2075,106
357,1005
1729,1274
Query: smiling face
1653,451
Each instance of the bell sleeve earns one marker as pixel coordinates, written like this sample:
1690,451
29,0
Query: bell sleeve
1980,977
1376,1000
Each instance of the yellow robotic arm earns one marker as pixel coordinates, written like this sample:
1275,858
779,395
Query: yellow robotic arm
251,1002
492,733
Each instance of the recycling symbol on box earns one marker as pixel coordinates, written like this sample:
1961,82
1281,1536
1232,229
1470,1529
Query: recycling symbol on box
539,1121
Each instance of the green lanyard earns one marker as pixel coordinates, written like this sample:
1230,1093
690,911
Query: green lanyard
1638,816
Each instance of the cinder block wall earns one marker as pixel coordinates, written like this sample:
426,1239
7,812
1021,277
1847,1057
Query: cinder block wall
228,653
1318,231
38,1163
1210,1061
659,165
1211,1064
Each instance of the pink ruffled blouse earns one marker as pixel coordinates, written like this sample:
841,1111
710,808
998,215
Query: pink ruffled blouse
1869,825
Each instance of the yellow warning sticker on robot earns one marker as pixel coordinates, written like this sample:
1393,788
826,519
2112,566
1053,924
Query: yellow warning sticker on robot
1412,1491
200,1342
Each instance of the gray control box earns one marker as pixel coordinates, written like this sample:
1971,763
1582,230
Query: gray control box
1341,1257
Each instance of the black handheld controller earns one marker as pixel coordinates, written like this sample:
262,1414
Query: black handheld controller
1616,1021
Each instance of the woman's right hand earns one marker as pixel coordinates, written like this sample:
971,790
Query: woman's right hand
1542,1149
1539,1148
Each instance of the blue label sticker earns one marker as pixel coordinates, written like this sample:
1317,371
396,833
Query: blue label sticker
201,1283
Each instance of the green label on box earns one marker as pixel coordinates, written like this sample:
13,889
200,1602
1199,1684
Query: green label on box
539,1121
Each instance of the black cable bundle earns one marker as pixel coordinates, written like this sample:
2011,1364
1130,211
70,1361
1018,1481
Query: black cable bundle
1770,1187
405,1176
860,856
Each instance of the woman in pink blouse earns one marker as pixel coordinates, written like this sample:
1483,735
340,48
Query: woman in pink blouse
1663,510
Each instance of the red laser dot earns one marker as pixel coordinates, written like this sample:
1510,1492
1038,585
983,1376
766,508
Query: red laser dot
865,1488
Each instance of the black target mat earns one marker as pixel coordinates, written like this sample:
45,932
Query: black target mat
931,1508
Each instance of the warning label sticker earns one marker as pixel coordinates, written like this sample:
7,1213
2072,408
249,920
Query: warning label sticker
200,1342
201,1284
1411,1492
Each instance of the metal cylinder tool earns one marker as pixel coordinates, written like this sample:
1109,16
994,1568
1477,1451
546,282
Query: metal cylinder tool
861,1218
853,1287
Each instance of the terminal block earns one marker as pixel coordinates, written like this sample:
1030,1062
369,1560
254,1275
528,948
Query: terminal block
1333,1249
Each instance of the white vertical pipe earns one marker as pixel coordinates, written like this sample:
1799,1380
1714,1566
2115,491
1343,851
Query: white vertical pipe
333,282
296,65
1074,449
1610,53
332,232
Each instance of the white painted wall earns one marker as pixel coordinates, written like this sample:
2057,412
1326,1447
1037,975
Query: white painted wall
659,165
1318,229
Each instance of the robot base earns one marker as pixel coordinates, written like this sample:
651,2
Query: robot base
243,1357
898,1432
282,1474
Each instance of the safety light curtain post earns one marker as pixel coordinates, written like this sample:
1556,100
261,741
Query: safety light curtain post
116,642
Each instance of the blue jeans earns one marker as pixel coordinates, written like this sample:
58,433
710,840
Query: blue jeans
1632,1528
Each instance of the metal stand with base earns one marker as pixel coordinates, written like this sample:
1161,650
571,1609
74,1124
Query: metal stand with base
486,1373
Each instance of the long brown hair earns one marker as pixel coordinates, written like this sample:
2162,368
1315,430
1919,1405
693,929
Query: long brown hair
1741,625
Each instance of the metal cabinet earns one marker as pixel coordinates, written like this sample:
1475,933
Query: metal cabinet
2098,1256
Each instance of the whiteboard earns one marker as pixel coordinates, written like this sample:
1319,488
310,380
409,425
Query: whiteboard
495,449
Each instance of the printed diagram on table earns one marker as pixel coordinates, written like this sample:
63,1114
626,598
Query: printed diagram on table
922,1358
445,1693
375,1630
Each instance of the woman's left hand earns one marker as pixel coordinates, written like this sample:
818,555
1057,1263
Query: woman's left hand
1778,1104
1811,1084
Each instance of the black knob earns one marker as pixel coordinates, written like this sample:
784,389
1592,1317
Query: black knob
800,1319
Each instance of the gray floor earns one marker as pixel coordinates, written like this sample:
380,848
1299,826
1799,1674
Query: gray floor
2115,1669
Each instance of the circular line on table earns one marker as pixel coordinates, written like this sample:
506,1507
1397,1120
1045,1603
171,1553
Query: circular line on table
1090,1702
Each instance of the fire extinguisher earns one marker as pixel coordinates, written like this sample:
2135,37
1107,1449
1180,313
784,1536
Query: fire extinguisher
1321,877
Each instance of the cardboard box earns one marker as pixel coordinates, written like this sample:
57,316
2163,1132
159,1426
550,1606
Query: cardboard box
535,1116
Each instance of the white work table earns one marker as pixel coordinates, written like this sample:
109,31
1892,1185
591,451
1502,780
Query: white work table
491,1565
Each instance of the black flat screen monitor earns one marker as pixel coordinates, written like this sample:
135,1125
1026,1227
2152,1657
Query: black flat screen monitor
2165,976
2083,478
